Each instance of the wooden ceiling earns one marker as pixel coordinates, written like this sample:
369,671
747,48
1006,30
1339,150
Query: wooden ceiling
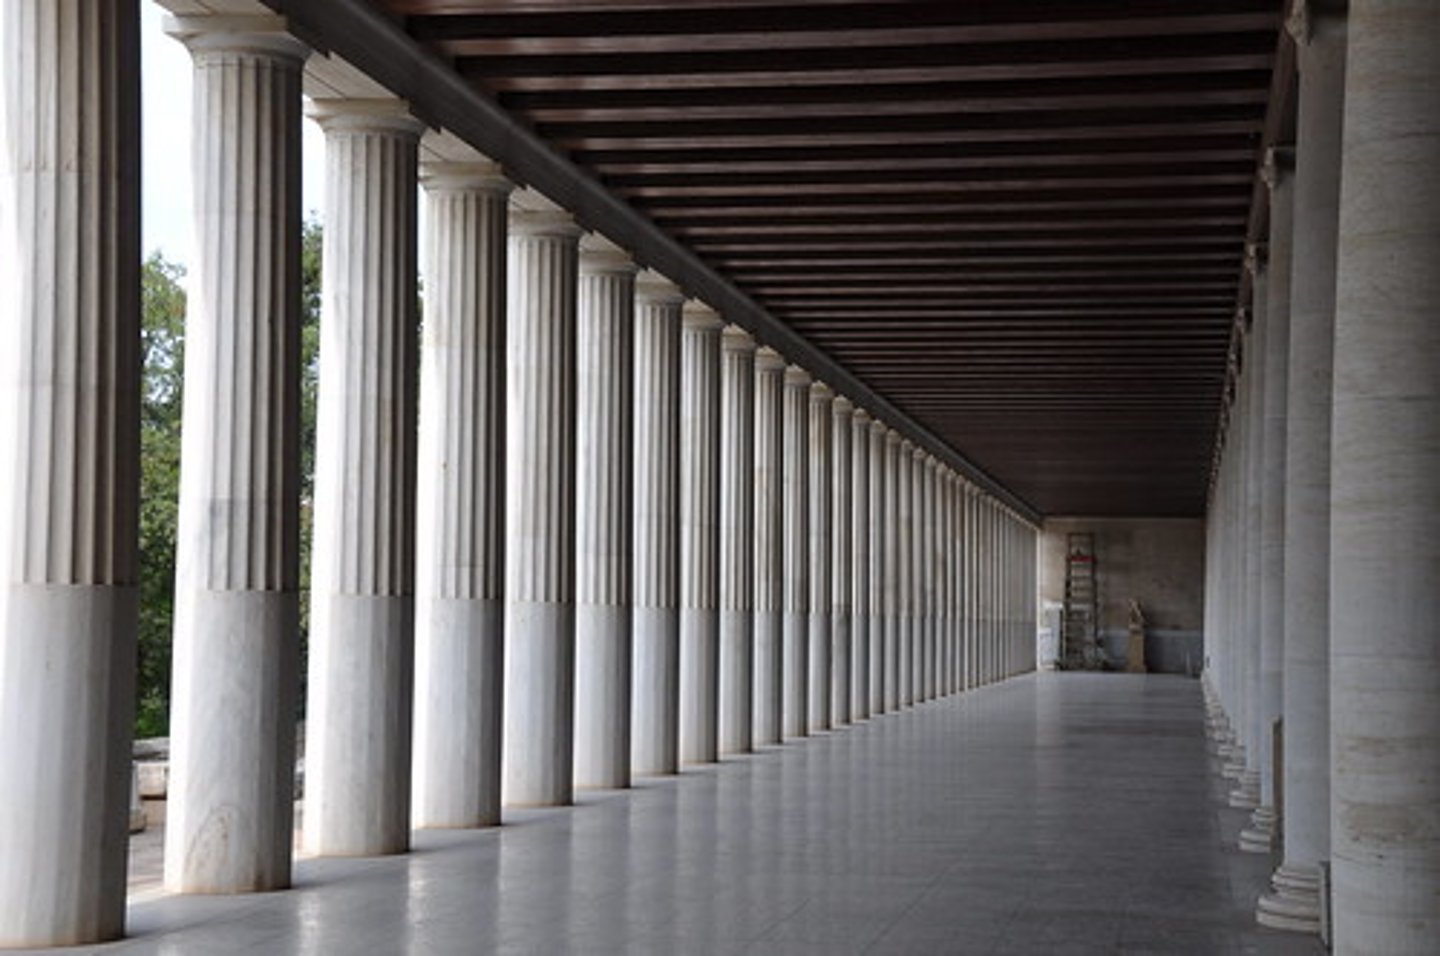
1022,221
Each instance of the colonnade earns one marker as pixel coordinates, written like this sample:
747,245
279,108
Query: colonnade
1323,580
575,528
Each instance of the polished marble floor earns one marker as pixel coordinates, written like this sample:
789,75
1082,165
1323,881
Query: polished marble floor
1056,813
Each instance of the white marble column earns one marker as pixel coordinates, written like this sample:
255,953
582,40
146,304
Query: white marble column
878,567
795,706
1385,481
919,577
541,327
967,586
1259,837
1294,902
605,384
819,467
859,466
950,631
230,817
931,556
362,611
699,534
842,555
459,550
905,579
737,540
1246,795
769,545
69,485
893,567
655,706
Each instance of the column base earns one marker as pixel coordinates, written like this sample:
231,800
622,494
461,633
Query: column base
1246,796
1293,903
1259,836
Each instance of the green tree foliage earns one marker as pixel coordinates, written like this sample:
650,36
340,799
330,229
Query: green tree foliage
163,354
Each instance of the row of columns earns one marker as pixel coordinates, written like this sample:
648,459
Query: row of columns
578,529
1323,580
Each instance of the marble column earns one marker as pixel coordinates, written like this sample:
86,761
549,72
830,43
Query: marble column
894,555
930,551
878,568
967,586
769,544
459,551
655,705
362,579
230,818
860,609
1294,901
842,555
905,588
69,485
1259,837
1246,795
1385,484
737,540
795,707
604,385
537,768
699,534
819,463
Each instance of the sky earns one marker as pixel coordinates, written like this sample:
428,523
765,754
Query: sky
165,144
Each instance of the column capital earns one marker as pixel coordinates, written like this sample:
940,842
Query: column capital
892,437
600,256
651,287
1306,18
797,377
697,315
261,34
1279,165
554,223
380,115
820,392
843,406
1255,258
878,428
768,360
862,417
484,176
735,339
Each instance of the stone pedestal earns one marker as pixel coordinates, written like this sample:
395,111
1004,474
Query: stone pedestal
230,812
655,708
362,623
543,275
605,347
69,482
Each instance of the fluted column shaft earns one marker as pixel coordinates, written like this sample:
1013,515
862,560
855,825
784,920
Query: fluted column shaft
605,354
860,608
69,485
842,553
737,540
796,623
877,568
230,818
1247,794
1295,902
819,467
460,517
1385,481
894,559
358,712
913,517
699,535
543,277
769,533
655,710
931,576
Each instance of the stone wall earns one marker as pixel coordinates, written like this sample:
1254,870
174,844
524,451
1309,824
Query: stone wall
1158,561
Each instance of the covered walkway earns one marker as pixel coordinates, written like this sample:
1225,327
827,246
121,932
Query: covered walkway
1053,813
